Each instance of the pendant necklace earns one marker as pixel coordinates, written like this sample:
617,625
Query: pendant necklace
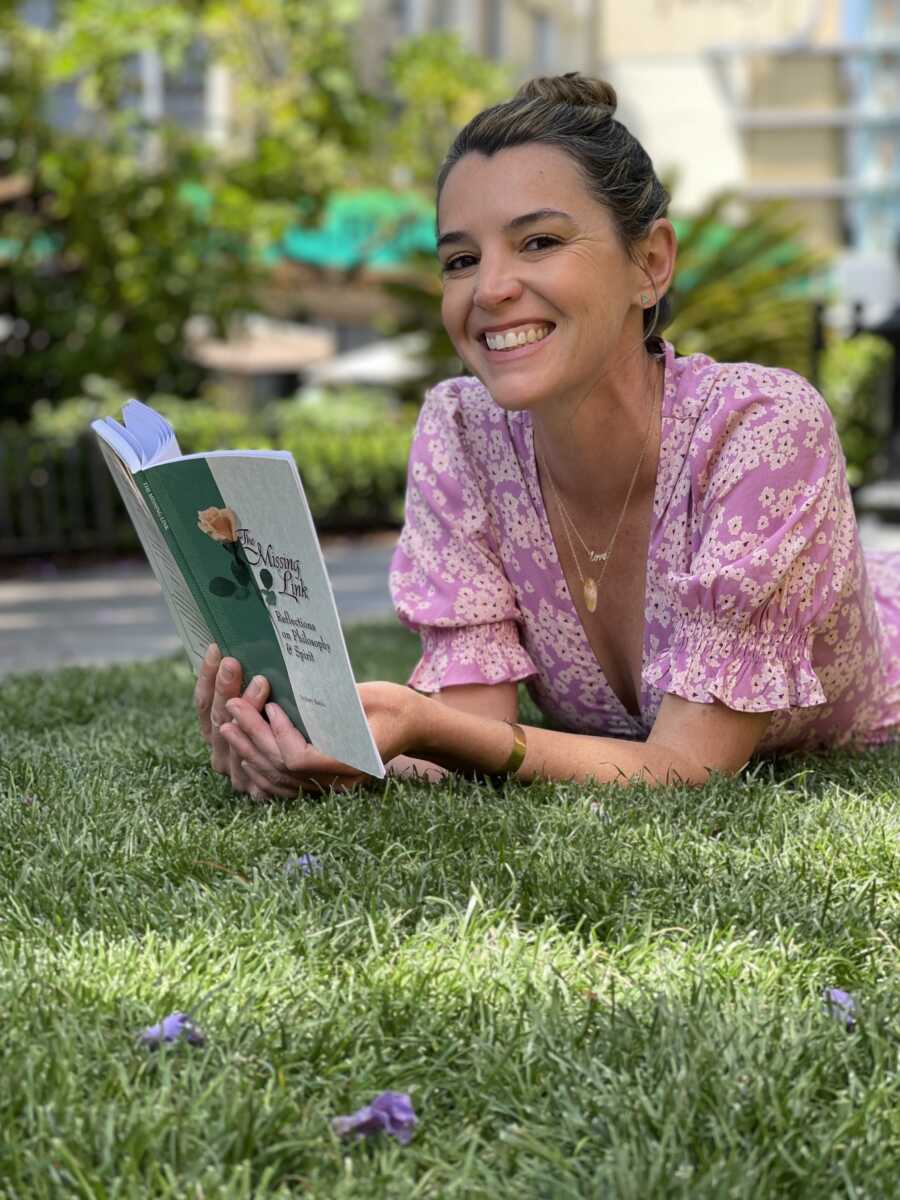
589,585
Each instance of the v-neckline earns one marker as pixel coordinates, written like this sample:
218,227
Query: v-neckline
560,575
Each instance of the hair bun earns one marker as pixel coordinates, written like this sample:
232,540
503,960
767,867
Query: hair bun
575,89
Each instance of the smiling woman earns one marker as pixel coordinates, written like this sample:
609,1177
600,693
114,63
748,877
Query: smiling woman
663,548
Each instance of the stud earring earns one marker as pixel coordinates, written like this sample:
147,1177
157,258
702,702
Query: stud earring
645,299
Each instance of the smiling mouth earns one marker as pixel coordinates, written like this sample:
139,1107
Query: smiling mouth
513,339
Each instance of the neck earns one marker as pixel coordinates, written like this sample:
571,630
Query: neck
591,446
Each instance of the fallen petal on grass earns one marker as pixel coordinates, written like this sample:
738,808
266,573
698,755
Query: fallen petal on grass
389,1112
303,864
841,1006
170,1029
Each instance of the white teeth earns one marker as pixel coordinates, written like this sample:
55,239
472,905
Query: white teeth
513,338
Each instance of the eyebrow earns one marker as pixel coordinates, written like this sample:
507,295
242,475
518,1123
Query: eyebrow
540,214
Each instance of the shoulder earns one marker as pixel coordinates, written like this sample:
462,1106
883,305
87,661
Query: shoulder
462,411
728,394
753,412
462,398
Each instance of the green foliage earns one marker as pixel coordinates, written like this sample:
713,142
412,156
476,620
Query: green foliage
741,287
441,87
353,480
351,445
128,228
587,992
854,378
109,252
336,410
199,425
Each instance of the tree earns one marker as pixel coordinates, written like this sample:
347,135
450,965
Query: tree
109,250
439,86
742,286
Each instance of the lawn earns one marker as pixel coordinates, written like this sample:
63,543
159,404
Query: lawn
586,992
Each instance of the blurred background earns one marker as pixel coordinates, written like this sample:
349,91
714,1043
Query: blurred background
225,207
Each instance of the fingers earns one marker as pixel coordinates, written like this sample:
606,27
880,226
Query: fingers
258,732
295,751
204,688
257,692
278,757
236,772
227,686
250,756
264,787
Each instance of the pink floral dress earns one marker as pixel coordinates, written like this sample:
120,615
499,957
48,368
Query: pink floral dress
758,593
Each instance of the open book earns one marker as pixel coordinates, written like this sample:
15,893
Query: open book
231,541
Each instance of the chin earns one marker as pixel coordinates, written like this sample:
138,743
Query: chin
513,399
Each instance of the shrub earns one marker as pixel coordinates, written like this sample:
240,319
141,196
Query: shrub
351,447
854,377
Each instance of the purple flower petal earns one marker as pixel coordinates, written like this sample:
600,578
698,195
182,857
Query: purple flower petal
390,1112
170,1029
303,864
841,1006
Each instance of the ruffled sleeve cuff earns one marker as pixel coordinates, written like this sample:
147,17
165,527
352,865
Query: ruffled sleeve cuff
489,653
744,667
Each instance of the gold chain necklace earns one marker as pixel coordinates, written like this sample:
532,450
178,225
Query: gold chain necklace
591,587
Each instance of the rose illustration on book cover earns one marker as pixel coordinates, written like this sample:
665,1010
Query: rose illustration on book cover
221,524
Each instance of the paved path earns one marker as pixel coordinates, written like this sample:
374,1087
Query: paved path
116,613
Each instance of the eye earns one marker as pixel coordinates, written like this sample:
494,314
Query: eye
546,242
459,263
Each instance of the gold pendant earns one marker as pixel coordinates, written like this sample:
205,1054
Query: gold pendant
590,594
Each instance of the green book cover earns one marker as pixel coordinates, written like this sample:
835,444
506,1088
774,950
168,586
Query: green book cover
236,530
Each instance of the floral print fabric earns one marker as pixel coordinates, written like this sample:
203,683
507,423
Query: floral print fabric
758,593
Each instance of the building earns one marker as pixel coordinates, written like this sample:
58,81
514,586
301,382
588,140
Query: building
532,37
780,99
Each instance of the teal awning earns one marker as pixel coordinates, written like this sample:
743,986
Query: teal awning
373,228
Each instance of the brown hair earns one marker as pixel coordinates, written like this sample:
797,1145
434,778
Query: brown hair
576,114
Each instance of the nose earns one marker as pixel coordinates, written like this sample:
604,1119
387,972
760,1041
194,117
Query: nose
496,283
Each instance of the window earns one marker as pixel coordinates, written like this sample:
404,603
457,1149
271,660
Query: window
545,51
492,25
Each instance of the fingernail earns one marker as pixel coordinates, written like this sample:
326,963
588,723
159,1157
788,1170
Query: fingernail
212,652
233,707
228,674
256,685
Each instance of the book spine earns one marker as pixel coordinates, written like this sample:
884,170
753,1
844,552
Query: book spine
184,567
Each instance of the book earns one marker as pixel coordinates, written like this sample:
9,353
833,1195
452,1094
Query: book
231,541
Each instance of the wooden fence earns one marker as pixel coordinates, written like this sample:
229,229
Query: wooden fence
58,499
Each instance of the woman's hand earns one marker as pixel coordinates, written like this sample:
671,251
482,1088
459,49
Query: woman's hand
218,682
277,760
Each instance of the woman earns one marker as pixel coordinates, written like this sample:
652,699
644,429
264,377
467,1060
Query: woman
663,548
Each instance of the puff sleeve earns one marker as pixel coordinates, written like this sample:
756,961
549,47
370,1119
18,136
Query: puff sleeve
447,581
773,548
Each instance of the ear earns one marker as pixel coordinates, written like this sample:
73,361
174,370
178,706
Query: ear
656,253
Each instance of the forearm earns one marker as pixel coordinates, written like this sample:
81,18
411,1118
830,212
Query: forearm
461,741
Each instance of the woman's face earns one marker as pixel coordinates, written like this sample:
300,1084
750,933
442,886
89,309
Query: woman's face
529,256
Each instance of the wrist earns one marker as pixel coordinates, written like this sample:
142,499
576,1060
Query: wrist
459,740
420,723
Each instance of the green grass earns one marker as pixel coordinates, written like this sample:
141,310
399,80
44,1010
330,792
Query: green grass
619,1002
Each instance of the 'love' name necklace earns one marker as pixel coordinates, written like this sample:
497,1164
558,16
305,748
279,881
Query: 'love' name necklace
589,585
